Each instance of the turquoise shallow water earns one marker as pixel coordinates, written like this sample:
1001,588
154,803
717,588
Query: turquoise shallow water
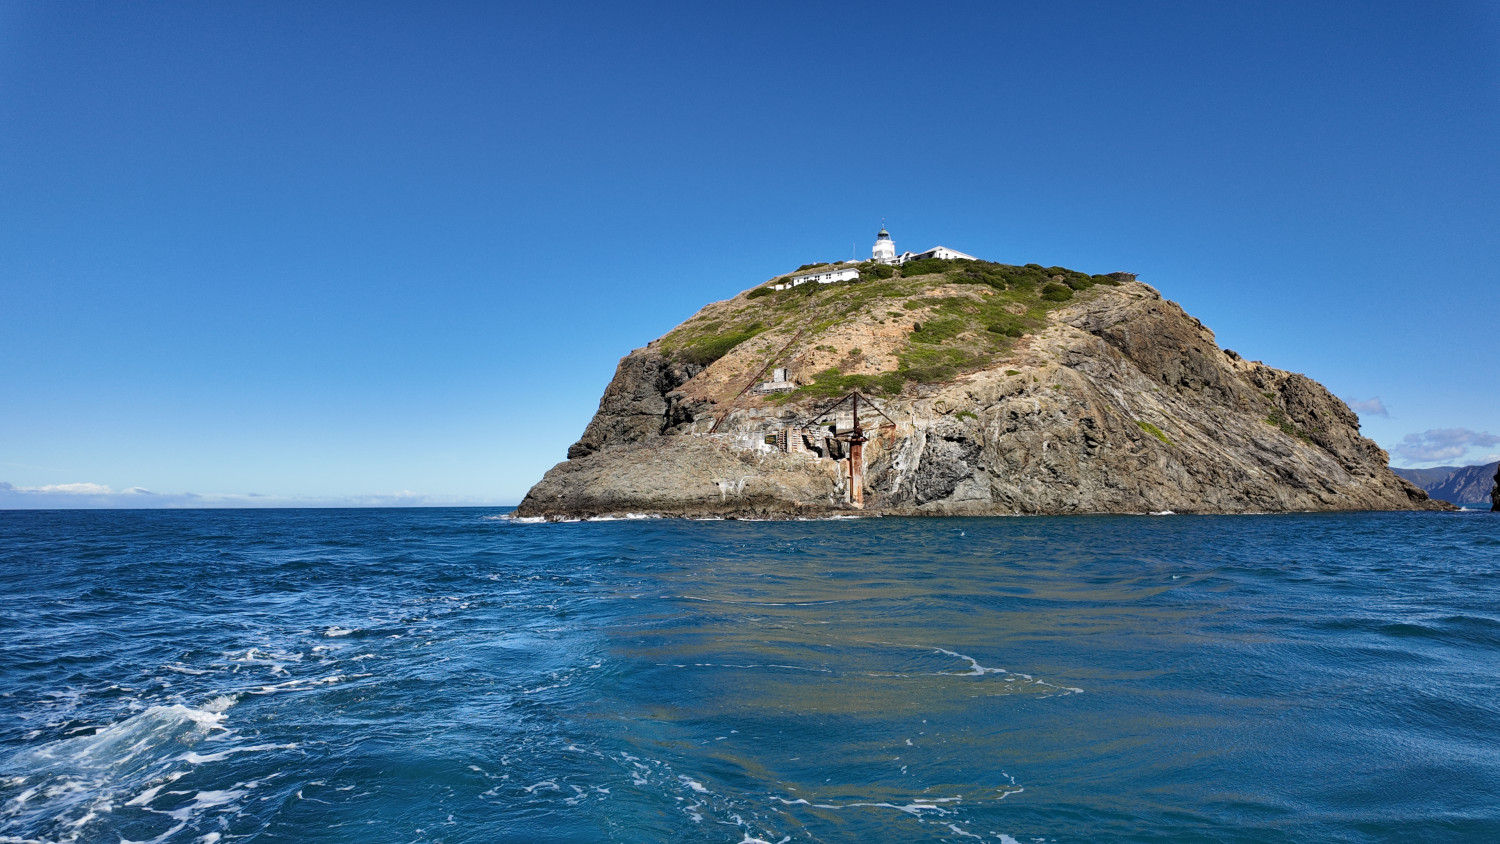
445,675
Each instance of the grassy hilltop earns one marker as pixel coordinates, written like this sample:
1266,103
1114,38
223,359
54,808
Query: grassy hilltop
938,319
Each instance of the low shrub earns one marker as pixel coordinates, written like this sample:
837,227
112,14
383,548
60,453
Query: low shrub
759,292
980,272
1054,292
1279,420
830,383
925,266
936,331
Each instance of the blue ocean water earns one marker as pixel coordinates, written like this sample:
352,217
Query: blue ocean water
447,675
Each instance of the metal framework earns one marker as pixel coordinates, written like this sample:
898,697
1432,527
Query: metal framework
855,438
854,399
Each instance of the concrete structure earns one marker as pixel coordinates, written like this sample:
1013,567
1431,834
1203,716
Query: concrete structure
778,382
885,251
822,275
793,440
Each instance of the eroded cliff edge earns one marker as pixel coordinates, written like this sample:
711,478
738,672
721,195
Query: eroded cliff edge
1116,401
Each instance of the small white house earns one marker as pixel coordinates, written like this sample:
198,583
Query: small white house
822,275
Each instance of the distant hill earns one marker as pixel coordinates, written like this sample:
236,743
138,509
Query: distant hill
1458,484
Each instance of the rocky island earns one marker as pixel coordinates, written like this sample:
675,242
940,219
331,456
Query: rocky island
959,387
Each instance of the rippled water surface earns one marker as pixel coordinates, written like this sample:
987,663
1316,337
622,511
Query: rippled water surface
447,675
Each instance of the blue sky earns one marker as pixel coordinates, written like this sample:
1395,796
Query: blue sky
386,253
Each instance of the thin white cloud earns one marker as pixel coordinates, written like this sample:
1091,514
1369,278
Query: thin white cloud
1442,444
1368,407
69,489
92,495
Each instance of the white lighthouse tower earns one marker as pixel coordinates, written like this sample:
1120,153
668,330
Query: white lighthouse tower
885,249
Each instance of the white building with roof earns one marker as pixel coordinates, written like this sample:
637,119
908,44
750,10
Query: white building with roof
885,251
822,275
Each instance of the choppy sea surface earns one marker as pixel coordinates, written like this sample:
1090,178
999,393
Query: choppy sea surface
453,676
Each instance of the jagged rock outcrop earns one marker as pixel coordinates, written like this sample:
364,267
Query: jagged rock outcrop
1495,493
1115,402
637,404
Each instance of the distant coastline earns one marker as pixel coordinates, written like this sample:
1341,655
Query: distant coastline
1466,486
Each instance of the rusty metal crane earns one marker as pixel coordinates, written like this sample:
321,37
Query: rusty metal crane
854,437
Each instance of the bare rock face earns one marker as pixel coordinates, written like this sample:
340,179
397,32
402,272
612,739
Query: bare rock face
1495,493
687,476
636,404
1120,403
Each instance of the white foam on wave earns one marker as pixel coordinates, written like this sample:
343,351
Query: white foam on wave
817,669
916,807
693,784
299,685
145,797
764,603
337,631
193,758
183,669
221,703
273,660
206,800
123,741
975,669
126,764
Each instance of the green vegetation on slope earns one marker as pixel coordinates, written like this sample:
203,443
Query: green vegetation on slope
1153,431
948,334
709,345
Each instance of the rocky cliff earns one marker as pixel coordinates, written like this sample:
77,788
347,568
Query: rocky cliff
1003,390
